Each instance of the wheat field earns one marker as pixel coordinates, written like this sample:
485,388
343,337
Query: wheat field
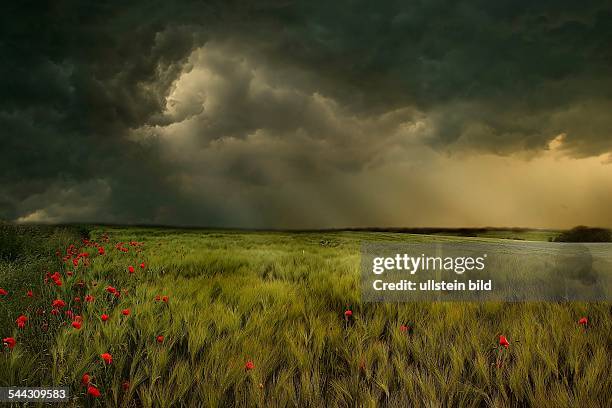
251,318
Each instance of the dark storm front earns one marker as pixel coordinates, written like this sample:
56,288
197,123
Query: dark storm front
485,271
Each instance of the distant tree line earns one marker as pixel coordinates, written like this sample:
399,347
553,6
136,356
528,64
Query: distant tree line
585,234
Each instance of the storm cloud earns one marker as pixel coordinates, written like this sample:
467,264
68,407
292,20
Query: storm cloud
307,114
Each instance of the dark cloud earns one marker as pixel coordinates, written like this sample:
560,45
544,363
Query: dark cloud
218,112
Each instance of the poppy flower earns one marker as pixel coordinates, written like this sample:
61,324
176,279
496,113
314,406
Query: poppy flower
78,318
104,317
107,358
101,251
21,321
142,265
3,292
403,328
76,325
85,379
157,298
9,342
57,303
131,269
69,273
70,314
165,299
30,293
583,321
160,339
125,385
249,365
110,289
93,391
125,312
89,298
503,341
117,294
348,313
55,312
77,299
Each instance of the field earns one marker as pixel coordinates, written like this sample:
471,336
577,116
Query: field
259,319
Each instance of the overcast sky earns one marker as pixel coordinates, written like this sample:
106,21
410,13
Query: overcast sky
310,114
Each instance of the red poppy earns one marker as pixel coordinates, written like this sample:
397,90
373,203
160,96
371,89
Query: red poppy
57,303
249,365
77,299
89,298
142,265
78,318
3,292
76,325
30,293
110,289
100,250
9,342
165,299
117,294
157,298
69,273
348,313
21,321
160,339
104,317
55,312
85,379
93,391
131,269
107,358
503,341
583,321
70,314
125,385
125,312
403,328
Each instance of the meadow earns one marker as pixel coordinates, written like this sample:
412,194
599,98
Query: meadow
269,319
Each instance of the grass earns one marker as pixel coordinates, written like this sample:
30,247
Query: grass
278,299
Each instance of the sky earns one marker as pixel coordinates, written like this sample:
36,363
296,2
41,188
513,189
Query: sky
307,114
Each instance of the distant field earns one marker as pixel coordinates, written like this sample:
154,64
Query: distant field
258,319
